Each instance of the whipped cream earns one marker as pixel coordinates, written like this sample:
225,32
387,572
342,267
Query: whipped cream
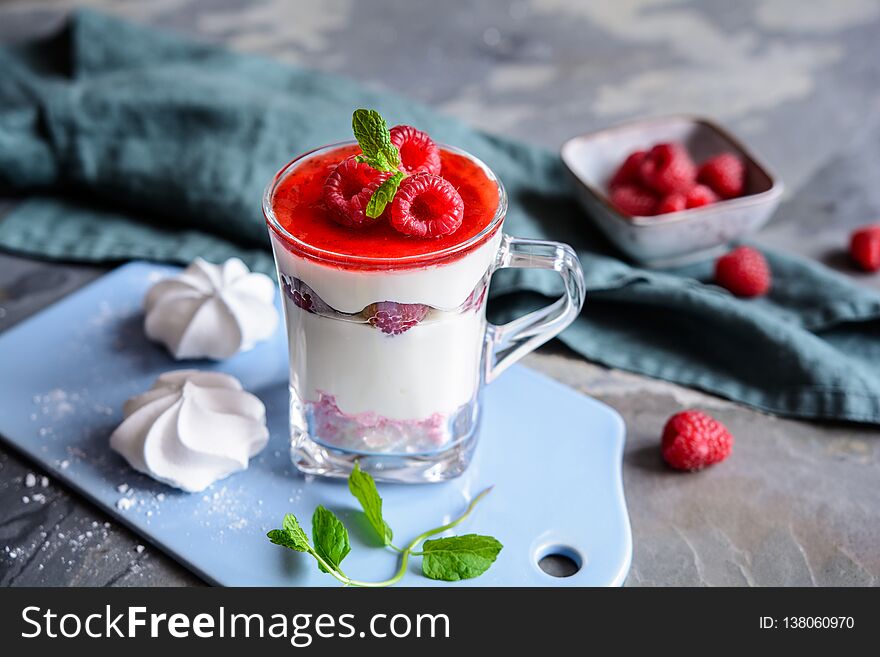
211,311
444,286
432,368
191,428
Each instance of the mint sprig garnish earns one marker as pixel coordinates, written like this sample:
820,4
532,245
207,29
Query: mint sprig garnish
450,558
374,138
384,195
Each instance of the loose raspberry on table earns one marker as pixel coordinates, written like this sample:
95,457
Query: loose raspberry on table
693,440
427,206
668,168
634,201
349,188
628,172
675,202
700,195
418,152
744,272
394,318
724,174
864,247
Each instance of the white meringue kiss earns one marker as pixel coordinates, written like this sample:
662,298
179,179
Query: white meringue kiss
211,311
191,429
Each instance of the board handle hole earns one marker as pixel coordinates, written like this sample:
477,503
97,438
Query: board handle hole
560,561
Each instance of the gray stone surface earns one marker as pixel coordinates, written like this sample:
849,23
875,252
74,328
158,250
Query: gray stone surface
797,503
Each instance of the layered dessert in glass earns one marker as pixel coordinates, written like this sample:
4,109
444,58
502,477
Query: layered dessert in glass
384,248
386,328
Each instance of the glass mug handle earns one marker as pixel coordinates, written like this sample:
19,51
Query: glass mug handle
507,343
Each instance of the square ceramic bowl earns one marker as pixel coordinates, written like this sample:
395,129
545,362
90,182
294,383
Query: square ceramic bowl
677,237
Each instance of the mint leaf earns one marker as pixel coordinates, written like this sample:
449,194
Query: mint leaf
330,536
459,557
363,487
384,195
291,524
291,536
374,138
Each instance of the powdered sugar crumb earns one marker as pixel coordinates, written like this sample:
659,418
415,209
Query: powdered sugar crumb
229,508
57,403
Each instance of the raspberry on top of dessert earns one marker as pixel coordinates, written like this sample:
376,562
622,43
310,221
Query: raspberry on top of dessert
390,196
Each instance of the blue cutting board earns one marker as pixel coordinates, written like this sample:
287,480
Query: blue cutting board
553,455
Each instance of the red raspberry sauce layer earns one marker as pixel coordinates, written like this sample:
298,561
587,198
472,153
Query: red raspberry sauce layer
299,208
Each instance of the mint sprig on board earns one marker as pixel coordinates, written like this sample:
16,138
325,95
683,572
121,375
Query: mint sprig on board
331,537
374,138
450,559
459,557
363,487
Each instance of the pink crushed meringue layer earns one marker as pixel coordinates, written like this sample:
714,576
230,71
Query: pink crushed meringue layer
373,432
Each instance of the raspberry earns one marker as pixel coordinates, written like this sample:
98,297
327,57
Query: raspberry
394,318
628,172
476,297
302,300
349,188
725,174
668,168
302,295
634,201
675,202
427,206
864,247
418,152
743,271
693,440
700,195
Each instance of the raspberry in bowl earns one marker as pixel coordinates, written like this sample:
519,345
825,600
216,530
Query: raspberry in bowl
384,249
671,190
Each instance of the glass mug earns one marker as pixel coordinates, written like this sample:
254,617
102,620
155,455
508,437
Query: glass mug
404,401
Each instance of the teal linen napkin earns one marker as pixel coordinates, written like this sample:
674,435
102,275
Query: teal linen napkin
131,143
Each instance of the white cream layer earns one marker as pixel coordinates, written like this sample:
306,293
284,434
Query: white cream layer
442,286
433,367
